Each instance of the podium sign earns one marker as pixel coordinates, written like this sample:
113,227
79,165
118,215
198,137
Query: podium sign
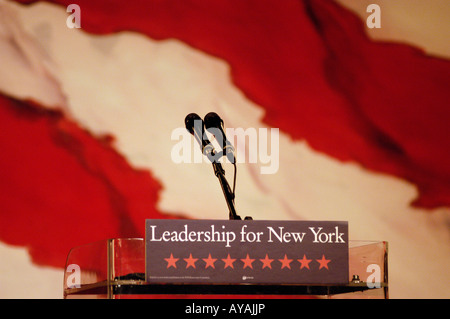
256,252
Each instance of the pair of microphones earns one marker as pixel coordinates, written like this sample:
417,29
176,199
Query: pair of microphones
214,125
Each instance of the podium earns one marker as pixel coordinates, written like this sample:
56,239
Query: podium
255,259
115,269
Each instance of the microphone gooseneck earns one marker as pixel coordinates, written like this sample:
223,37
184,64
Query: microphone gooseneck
214,125
194,124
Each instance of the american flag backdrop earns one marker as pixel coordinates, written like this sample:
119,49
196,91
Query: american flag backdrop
87,116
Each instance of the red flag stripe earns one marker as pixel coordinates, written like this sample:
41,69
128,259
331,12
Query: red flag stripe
317,76
60,187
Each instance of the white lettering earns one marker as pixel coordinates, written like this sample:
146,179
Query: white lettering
273,159
74,279
202,309
193,236
374,279
182,152
374,20
320,237
74,20
286,236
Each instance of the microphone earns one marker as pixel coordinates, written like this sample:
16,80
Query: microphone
214,125
194,124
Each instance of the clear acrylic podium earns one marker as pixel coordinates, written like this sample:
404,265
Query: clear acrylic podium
115,268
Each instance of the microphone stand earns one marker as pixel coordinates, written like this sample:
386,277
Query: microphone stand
229,196
209,152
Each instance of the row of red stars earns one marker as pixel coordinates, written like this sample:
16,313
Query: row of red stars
248,262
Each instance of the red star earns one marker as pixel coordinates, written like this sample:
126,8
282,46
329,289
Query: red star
285,262
190,261
171,262
305,262
248,262
228,262
323,262
209,261
266,262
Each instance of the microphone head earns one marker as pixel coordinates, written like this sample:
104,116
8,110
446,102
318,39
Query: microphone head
213,120
190,120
